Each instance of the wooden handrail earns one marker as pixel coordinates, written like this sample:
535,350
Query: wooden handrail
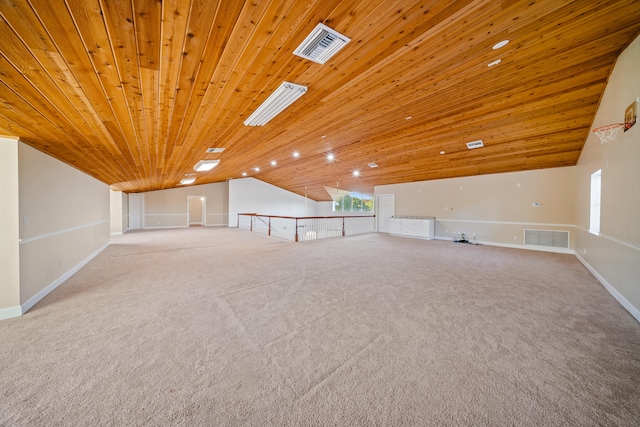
308,217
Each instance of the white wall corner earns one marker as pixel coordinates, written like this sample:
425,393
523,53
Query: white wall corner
634,311
27,305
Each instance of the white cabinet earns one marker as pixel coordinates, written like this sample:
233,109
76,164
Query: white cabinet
421,227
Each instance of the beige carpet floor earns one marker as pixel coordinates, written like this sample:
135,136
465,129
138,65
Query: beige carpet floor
223,327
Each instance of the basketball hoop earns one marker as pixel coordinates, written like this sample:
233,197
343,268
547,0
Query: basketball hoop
607,133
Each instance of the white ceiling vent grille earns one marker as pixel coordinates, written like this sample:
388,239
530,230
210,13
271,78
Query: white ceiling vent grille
475,144
321,44
215,150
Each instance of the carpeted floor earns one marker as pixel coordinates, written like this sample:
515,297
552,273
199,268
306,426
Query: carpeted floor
223,327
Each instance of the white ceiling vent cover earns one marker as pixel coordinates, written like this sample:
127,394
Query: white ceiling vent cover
321,44
280,99
475,144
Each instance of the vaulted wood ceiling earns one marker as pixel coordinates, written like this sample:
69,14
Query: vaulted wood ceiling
133,92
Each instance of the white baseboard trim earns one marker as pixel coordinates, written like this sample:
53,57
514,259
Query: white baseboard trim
635,312
511,245
9,312
165,226
60,280
117,233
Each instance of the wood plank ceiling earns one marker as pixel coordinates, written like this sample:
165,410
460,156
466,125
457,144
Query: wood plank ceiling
133,92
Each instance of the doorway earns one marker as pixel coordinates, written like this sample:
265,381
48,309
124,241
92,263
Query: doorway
196,210
136,208
385,209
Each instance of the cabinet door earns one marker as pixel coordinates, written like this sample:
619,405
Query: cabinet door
394,225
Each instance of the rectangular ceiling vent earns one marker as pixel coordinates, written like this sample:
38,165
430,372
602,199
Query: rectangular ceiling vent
321,44
280,99
215,150
372,165
475,144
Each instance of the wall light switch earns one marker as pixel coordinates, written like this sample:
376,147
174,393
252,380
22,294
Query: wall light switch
26,220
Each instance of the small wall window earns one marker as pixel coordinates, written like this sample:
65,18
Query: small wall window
354,202
594,217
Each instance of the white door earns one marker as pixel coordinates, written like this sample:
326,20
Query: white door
385,209
136,204
195,210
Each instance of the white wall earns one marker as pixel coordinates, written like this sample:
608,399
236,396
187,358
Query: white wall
10,232
64,221
168,208
614,254
250,195
497,208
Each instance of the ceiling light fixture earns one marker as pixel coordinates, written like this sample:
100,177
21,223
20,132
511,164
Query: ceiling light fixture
205,165
498,45
408,118
496,62
280,99
330,157
244,174
187,181
442,152
356,173
273,163
256,169
321,44
296,154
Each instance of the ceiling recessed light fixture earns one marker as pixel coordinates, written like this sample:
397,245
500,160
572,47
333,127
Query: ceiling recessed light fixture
256,169
408,118
321,44
330,157
296,154
372,165
498,45
280,99
442,152
187,181
273,163
496,62
356,173
244,174
215,150
205,165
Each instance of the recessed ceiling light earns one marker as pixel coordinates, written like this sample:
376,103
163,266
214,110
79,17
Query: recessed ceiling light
330,157
296,154
356,173
273,163
372,165
496,62
442,152
408,118
205,165
187,181
215,150
244,174
498,45
256,169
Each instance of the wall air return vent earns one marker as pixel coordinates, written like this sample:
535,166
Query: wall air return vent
475,144
554,239
321,44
